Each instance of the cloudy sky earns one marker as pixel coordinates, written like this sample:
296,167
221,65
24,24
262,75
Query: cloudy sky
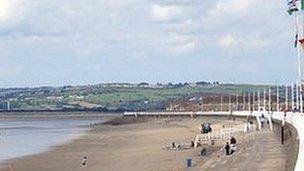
55,42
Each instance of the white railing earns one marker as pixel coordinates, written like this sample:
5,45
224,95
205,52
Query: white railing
268,116
224,134
259,122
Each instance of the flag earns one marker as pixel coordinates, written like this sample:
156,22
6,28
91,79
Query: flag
294,6
296,41
302,42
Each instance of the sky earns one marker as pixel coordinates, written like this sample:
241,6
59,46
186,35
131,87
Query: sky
74,42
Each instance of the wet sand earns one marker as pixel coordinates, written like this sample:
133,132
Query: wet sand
140,147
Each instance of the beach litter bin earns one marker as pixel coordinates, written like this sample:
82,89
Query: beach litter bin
188,162
204,152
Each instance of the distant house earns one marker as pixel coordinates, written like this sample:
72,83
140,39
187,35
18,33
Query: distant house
160,85
5,105
143,84
183,106
54,98
201,102
202,83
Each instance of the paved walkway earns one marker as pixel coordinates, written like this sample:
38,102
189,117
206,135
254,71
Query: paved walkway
263,152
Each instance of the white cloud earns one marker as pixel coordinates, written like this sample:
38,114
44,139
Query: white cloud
119,4
179,44
257,42
166,12
101,26
233,6
4,9
228,12
244,42
247,24
186,48
7,8
116,32
226,41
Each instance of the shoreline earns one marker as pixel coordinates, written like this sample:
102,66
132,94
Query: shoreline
95,144
80,129
4,164
57,116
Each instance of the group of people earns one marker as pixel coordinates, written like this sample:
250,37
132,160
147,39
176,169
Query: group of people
177,146
230,148
84,161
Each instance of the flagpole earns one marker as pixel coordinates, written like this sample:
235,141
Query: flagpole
299,31
252,100
244,101
237,101
296,7
221,103
229,103
259,106
297,96
278,99
248,100
286,98
269,99
264,99
292,96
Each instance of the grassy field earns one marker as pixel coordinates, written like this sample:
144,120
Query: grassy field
145,96
128,98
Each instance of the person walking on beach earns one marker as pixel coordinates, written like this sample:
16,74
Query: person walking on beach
12,167
227,148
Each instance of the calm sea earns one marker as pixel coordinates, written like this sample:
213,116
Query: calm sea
26,137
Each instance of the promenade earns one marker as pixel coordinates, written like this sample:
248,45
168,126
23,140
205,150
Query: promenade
266,153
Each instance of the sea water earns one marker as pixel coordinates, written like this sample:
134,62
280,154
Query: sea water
19,138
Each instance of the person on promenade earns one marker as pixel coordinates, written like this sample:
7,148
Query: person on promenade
84,161
173,145
232,145
262,120
192,144
227,148
232,140
203,152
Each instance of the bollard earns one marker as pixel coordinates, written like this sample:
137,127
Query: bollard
282,134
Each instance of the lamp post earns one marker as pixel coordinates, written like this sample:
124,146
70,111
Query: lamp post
259,100
286,98
269,99
278,99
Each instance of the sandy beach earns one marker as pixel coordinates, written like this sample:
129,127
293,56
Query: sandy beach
142,146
